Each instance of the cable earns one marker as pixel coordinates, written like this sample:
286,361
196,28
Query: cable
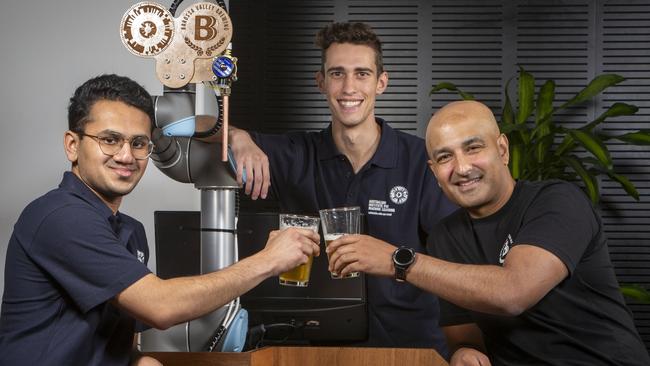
174,6
262,330
219,123
233,308
187,336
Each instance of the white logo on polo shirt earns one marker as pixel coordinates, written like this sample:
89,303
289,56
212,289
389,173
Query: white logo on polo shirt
399,195
141,256
380,208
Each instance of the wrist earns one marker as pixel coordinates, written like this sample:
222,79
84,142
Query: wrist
261,265
403,259
235,134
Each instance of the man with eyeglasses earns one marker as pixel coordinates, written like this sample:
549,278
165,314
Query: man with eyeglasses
76,279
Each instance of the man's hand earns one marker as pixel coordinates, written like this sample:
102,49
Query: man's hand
253,160
469,357
352,253
140,360
146,361
287,249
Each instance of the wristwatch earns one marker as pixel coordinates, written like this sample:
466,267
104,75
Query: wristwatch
403,257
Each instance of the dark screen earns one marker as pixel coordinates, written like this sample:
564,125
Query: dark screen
326,312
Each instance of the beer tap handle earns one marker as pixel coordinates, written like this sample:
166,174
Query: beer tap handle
224,129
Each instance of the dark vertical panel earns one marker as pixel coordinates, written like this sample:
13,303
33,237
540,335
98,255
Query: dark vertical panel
468,49
282,61
624,49
247,91
552,42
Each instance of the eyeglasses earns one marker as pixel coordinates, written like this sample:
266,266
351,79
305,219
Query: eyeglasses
141,146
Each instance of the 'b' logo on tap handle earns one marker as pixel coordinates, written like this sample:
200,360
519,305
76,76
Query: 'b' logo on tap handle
179,45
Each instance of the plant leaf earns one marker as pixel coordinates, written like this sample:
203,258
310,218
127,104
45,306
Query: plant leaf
507,128
615,110
641,137
451,87
594,146
591,185
516,161
543,129
567,145
597,85
625,183
542,147
636,292
526,95
545,99
507,115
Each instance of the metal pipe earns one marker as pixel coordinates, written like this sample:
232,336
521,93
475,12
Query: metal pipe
217,229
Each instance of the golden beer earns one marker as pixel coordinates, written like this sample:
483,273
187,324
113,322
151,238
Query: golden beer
328,239
298,276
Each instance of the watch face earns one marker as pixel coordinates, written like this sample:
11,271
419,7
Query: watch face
403,257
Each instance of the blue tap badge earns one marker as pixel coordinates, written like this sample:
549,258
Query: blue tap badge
223,66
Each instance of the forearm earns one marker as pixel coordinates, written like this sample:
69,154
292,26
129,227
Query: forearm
484,288
191,297
163,303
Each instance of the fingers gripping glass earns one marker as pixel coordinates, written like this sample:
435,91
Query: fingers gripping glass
141,146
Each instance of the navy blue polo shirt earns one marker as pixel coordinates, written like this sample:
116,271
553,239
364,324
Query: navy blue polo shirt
402,201
67,258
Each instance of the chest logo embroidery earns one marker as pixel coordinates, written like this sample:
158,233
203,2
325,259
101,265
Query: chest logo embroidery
399,195
505,249
141,256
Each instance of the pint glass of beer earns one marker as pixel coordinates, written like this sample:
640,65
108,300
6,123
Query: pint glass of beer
337,222
298,276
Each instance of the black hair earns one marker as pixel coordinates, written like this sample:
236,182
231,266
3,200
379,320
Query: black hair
355,33
106,87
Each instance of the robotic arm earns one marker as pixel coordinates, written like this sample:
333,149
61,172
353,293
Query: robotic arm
195,65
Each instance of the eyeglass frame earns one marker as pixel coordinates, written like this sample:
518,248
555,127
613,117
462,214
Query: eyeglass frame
98,139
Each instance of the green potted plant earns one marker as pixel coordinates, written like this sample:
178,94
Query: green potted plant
542,149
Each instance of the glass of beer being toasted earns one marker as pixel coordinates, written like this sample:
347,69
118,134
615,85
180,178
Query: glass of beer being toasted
298,276
338,222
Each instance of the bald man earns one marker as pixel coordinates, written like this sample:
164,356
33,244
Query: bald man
525,264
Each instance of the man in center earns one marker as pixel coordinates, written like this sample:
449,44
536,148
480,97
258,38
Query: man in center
359,160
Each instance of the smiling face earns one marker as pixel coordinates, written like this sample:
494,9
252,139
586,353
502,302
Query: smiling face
469,157
350,83
110,177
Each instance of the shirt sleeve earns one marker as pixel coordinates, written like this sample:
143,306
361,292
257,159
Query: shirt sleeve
451,314
288,156
77,247
562,221
271,144
444,244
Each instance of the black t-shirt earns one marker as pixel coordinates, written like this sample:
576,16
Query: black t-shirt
402,203
583,320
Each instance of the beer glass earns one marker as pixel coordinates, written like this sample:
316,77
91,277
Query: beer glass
298,276
338,222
